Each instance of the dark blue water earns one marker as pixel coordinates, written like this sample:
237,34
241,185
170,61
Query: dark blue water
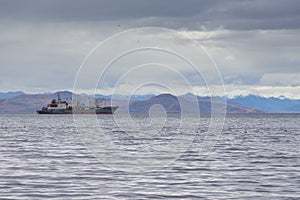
257,157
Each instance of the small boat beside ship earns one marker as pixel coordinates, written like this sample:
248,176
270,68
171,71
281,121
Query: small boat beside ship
63,107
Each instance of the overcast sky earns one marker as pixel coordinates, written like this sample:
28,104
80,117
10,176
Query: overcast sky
255,44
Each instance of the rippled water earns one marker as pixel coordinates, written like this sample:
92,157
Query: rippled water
257,157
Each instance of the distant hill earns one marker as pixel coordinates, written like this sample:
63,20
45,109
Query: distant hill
6,95
172,104
19,102
124,97
269,105
29,103
168,101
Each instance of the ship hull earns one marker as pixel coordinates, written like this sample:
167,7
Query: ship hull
102,110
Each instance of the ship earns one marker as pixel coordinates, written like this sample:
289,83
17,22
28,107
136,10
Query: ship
63,107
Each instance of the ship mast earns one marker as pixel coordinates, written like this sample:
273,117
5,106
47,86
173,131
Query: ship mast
58,96
104,102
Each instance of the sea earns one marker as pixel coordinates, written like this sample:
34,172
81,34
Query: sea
249,156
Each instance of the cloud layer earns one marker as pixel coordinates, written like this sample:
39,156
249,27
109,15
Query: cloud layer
255,44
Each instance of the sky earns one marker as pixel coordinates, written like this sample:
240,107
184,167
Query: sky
255,46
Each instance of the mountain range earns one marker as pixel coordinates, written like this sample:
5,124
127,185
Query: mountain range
269,105
5,95
19,102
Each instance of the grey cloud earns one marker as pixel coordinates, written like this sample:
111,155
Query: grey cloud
252,79
281,79
190,14
101,9
42,43
256,14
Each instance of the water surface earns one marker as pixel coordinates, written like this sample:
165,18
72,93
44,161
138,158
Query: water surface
257,157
